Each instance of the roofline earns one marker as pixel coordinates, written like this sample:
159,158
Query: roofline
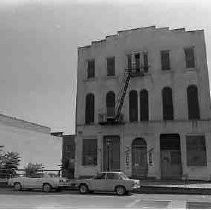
23,124
126,31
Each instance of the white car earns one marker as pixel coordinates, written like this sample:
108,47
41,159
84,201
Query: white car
39,181
108,181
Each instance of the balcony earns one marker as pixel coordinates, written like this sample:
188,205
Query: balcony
107,119
137,71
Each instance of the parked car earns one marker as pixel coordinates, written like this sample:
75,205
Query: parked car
108,181
39,181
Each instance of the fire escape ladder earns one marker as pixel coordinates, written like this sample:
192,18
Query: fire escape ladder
121,95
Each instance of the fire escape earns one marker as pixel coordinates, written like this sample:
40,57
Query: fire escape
134,70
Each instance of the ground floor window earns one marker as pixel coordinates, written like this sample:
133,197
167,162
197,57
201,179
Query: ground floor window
196,150
89,154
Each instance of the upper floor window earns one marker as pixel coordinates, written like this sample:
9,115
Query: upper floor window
189,57
111,66
193,103
165,61
137,62
144,106
91,68
90,106
110,104
145,60
168,111
129,61
133,106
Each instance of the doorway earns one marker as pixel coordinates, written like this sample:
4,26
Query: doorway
139,159
111,153
170,156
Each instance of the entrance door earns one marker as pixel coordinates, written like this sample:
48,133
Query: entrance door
171,167
139,159
111,153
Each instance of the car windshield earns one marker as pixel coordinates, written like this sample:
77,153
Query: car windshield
123,176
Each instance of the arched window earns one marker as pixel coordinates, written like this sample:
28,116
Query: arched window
90,106
168,110
144,106
110,104
133,106
193,102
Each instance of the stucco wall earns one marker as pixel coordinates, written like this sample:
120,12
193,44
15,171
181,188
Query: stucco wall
33,146
152,41
150,131
178,78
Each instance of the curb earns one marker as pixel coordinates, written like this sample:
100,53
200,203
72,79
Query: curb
173,190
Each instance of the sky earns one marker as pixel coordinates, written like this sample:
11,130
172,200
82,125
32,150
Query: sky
39,41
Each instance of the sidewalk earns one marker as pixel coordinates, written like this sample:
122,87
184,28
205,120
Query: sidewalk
177,187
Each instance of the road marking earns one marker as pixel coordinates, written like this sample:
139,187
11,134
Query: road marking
130,205
177,204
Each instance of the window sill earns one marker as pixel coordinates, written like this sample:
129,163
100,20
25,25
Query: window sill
146,74
191,69
111,77
90,124
167,71
90,79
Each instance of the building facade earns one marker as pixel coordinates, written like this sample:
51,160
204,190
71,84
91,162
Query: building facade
154,123
32,141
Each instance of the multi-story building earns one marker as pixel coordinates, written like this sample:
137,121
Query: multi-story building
143,105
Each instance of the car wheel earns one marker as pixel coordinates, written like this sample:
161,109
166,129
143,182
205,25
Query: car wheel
120,190
17,186
46,188
83,189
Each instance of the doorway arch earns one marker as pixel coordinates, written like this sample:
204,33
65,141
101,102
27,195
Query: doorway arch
139,158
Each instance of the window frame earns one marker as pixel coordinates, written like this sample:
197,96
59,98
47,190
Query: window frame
90,72
194,59
165,66
88,153
193,103
110,103
89,110
146,62
144,105
111,71
168,103
133,106
193,148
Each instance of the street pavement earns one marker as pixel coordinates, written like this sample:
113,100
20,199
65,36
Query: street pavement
72,199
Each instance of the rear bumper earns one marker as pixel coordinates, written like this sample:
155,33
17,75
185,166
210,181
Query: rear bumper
136,187
68,186
64,187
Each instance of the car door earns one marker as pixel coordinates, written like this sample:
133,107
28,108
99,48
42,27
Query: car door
33,182
39,180
99,182
28,182
112,180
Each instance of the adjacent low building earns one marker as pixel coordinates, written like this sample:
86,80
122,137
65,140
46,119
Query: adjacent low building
32,141
68,156
143,105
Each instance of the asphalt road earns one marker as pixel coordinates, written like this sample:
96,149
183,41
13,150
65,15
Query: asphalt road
32,199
